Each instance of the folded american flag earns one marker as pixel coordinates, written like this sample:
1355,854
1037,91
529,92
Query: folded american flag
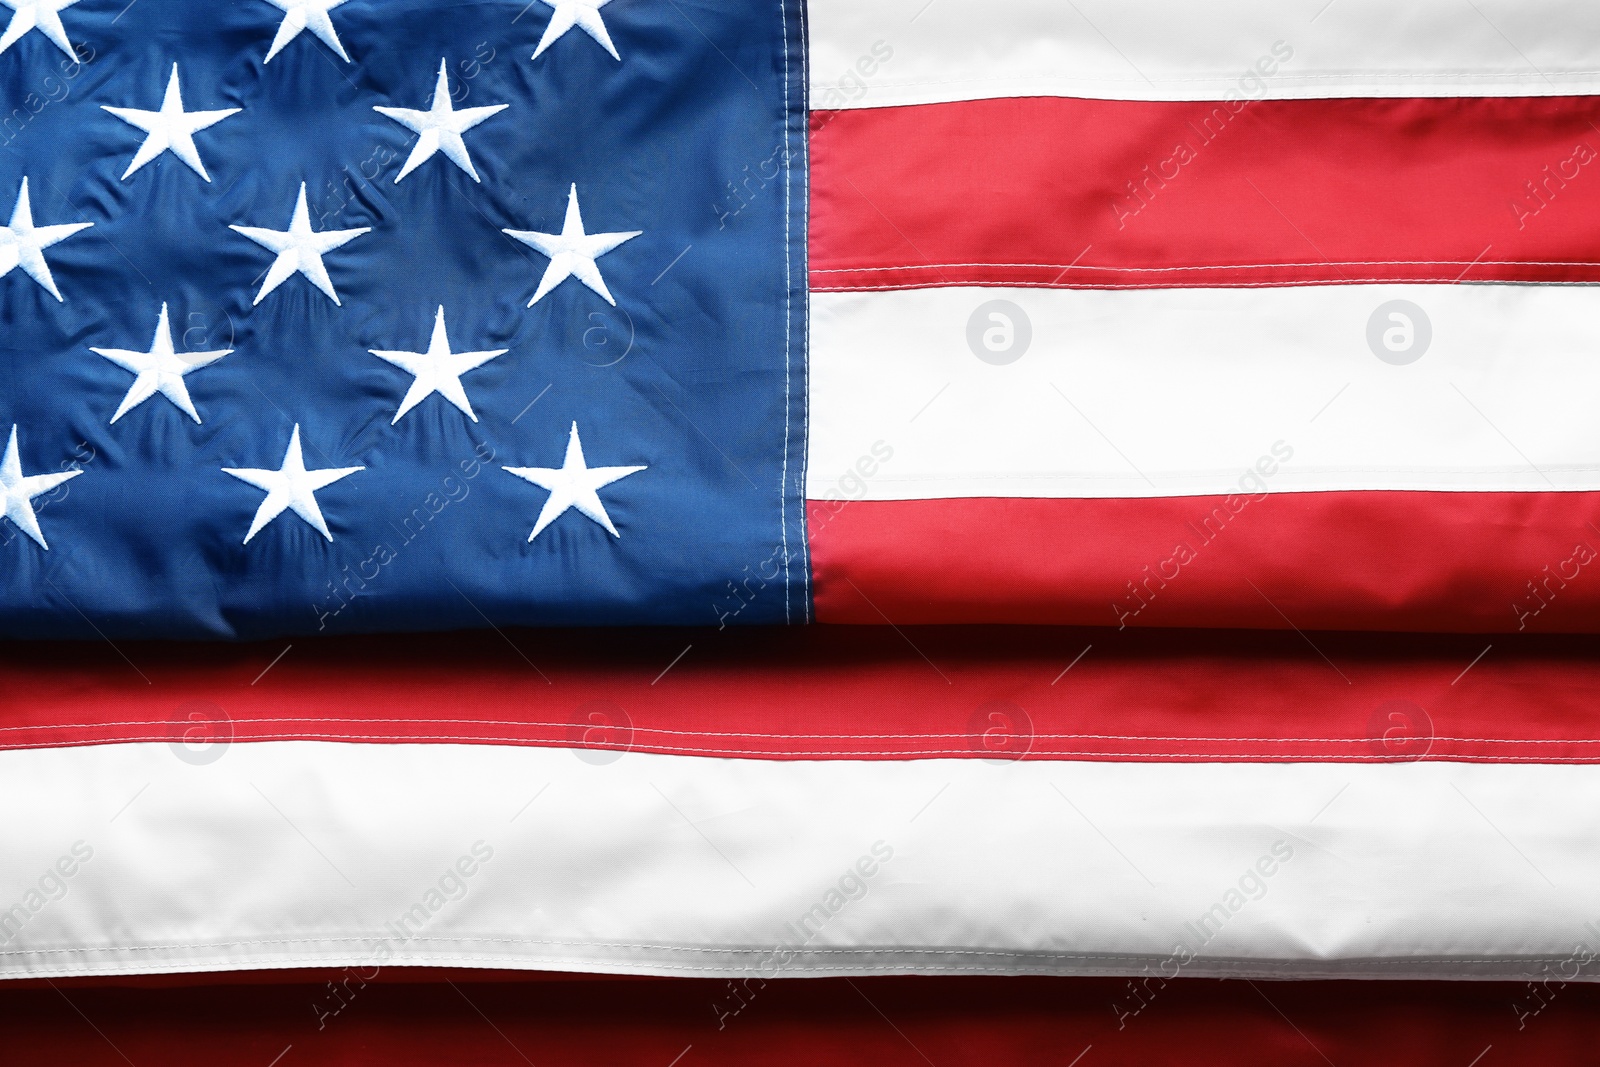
654,326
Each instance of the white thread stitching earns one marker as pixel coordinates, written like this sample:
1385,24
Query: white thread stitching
1239,756
805,348
788,318
818,737
1228,80
1015,954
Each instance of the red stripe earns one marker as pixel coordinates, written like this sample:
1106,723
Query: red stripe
1036,192
1458,562
825,692
356,1020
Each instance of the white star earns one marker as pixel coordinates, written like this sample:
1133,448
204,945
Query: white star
171,129
41,15
572,485
22,244
159,370
304,15
572,252
300,249
440,128
438,370
290,487
584,14
17,491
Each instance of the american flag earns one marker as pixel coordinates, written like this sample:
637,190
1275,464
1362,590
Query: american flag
429,430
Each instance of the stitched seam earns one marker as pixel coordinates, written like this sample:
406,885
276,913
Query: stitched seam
1307,969
1270,283
788,314
987,476
1232,266
958,490
831,737
931,753
1230,79
1014,954
1244,968
805,347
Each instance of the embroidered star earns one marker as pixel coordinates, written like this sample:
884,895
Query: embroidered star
299,248
18,490
584,14
22,244
159,370
304,15
41,15
290,487
572,252
438,370
572,485
171,129
439,129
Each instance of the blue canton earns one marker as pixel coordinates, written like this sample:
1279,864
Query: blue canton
364,315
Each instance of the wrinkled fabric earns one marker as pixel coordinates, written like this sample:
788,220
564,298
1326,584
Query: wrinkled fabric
696,373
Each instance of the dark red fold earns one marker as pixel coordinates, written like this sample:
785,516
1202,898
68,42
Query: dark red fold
835,692
501,1020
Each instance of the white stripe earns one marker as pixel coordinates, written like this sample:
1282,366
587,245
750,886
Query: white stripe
309,853
1172,392
891,52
